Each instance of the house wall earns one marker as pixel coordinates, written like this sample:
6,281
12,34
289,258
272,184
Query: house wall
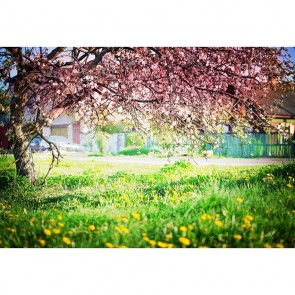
68,128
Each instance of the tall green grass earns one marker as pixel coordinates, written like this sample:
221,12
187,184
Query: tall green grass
90,204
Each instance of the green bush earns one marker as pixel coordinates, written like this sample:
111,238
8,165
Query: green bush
135,151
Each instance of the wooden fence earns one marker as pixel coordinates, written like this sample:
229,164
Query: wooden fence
256,145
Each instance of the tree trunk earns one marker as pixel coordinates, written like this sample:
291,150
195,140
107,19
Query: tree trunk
23,157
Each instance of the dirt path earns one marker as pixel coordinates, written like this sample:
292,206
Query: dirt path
198,161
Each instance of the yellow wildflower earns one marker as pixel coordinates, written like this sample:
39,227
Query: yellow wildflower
279,245
170,245
168,236
122,246
190,227
183,228
70,232
239,200
203,247
33,219
109,245
13,230
121,229
60,224
66,240
124,218
42,242
204,217
218,223
224,245
217,215
209,217
289,185
144,234
266,245
248,217
56,231
59,217
47,232
146,239
162,244
245,226
136,216
91,227
152,242
238,237
184,241
118,216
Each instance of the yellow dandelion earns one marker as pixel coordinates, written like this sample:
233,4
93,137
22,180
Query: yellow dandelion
136,216
66,240
59,217
249,217
239,200
33,219
47,232
266,245
56,231
184,241
203,247
217,215
190,227
51,221
152,242
118,216
238,237
60,224
122,246
162,244
70,232
124,218
146,239
209,217
144,234
289,185
218,223
245,226
109,245
91,227
183,228
279,245
170,245
42,242
13,230
224,245
168,236
121,229
204,217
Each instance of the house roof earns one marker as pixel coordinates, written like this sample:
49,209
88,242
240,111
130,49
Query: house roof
284,109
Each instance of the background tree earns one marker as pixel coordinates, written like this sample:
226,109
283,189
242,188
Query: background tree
190,90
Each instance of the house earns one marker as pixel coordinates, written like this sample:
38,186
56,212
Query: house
65,125
261,144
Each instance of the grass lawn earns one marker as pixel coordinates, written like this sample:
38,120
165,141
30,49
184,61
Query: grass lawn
86,204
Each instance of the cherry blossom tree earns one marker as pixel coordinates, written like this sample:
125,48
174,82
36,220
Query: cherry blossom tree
189,91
